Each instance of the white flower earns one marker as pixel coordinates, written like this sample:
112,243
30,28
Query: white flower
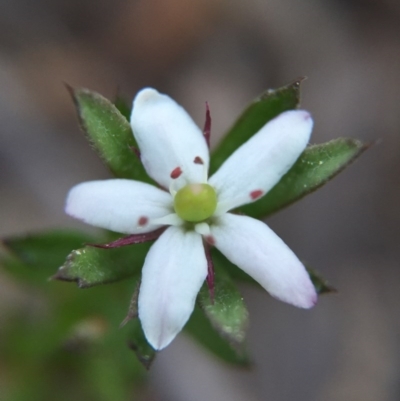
174,153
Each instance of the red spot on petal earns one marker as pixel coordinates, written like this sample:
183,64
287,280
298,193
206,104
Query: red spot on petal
143,221
198,160
176,172
210,239
256,194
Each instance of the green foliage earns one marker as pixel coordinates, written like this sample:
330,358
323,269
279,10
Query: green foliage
138,343
200,328
109,133
227,312
321,285
46,250
123,106
91,266
42,253
314,168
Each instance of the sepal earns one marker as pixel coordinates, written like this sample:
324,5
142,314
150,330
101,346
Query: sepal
109,133
227,312
90,266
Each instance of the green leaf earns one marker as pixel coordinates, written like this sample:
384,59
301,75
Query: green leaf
47,250
138,343
91,266
314,168
199,327
123,106
321,285
109,133
133,307
137,340
228,313
263,109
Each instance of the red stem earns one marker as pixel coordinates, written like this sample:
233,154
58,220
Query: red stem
131,239
211,272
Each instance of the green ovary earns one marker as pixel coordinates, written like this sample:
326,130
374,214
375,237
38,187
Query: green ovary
195,202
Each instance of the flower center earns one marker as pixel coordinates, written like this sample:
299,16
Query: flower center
195,202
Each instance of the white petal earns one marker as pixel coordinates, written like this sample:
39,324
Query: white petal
202,229
173,273
168,138
124,206
253,169
255,248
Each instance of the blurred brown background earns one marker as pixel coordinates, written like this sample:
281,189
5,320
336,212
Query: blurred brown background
227,52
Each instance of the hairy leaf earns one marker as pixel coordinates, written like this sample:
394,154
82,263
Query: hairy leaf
109,133
201,329
227,312
91,266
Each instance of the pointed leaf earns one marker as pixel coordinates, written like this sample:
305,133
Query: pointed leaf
199,327
314,168
263,109
91,266
123,106
109,133
139,345
133,311
137,340
228,313
46,250
321,285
